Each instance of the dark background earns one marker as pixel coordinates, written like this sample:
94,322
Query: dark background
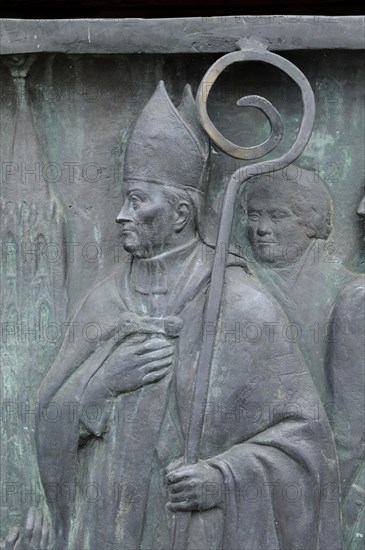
54,9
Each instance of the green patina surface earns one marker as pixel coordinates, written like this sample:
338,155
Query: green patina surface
74,122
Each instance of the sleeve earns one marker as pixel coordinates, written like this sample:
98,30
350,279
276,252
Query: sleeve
96,407
279,470
345,367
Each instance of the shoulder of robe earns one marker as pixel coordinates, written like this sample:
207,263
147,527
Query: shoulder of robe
330,268
245,296
350,301
355,290
102,308
102,301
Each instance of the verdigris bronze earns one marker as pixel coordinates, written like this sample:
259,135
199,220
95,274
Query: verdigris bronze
289,224
190,377
345,364
34,536
131,387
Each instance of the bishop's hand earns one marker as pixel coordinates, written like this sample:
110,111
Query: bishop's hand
133,365
193,487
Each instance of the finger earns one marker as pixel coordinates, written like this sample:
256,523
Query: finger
150,366
135,340
178,475
174,465
157,354
155,376
182,506
155,366
132,346
182,485
184,496
21,544
151,345
37,531
11,538
45,535
29,526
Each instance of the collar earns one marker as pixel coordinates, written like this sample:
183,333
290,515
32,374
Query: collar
150,275
291,273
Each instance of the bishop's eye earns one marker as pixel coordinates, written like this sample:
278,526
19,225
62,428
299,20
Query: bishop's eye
135,201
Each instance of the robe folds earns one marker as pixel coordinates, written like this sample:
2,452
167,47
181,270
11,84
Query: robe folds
102,461
345,364
307,291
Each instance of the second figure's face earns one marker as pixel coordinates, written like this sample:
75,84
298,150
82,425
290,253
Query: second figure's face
146,218
275,233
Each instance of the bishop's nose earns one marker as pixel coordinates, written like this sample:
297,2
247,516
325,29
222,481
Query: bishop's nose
123,216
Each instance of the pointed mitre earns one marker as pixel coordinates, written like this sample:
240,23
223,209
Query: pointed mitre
167,145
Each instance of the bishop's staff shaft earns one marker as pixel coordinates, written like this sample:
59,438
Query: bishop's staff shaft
253,52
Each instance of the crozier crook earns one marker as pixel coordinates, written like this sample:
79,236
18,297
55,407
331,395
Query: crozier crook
253,52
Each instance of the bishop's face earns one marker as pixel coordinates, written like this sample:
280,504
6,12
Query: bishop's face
275,233
146,219
361,211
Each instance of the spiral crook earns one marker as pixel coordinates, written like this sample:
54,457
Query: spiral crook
240,176
274,118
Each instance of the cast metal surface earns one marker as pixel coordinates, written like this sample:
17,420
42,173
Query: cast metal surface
155,371
197,35
239,178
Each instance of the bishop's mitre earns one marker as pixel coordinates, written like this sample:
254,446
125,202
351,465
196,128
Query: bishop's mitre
167,145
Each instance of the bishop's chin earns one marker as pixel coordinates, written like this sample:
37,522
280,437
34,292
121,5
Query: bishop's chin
134,249
129,244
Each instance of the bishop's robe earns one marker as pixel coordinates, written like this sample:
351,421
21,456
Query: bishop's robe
264,429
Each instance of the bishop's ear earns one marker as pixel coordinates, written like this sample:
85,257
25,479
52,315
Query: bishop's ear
182,215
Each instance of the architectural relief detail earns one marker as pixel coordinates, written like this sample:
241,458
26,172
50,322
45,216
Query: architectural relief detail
33,293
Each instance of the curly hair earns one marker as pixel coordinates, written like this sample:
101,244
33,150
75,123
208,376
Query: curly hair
307,194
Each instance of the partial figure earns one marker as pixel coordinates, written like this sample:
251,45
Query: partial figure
35,535
288,223
123,380
346,378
